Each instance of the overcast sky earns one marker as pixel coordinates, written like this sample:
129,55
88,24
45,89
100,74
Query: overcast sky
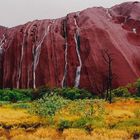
15,12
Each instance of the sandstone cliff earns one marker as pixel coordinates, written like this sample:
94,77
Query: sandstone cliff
69,51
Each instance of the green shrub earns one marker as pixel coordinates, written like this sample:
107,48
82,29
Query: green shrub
73,93
121,92
40,92
87,108
63,124
6,98
70,93
15,95
138,88
48,105
82,122
88,124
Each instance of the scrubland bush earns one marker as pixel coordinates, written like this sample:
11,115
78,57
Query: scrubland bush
70,93
121,92
40,92
67,93
75,93
48,105
64,124
138,88
15,95
87,108
89,112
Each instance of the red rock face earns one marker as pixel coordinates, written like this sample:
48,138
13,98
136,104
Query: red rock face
69,51
2,31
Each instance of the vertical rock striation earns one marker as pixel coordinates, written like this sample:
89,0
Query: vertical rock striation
68,52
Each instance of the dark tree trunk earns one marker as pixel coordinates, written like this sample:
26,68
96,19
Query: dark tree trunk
108,59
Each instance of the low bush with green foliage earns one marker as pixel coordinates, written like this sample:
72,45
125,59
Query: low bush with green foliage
89,111
64,124
15,95
40,92
48,105
82,122
138,88
88,108
121,92
68,93
72,93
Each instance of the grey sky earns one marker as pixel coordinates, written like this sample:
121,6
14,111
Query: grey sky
15,12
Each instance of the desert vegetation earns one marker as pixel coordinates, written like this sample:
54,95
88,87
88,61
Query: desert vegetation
69,113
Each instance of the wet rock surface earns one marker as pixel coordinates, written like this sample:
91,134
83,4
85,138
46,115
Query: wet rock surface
69,51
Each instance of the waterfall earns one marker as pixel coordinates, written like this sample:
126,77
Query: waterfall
134,30
22,54
1,49
108,13
77,42
28,75
36,54
29,68
66,53
2,42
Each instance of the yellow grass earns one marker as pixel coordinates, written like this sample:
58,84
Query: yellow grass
68,134
10,116
122,110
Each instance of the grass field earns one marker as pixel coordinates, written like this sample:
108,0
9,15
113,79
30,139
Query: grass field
120,121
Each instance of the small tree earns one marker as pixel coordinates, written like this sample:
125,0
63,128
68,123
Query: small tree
138,88
108,60
47,106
